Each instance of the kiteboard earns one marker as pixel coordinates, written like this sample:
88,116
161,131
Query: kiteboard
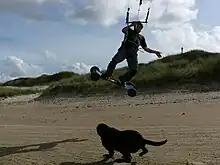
95,75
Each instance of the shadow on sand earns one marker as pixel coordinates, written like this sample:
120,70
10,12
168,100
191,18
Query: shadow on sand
101,162
4,151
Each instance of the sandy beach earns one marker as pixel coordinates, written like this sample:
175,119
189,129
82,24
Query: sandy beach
62,131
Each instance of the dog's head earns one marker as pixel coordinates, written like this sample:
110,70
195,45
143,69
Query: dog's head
102,129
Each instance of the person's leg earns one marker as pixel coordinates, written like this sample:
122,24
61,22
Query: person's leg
132,66
119,57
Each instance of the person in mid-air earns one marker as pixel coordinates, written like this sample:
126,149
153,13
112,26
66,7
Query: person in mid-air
128,50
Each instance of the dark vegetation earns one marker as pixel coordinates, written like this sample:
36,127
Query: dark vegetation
42,80
8,92
196,69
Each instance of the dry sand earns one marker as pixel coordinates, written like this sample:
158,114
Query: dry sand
62,132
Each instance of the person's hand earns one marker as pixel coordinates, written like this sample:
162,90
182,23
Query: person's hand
158,54
134,22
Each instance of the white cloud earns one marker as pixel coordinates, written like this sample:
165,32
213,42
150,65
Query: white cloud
31,9
168,13
171,20
12,67
80,68
50,55
172,39
15,66
174,28
106,12
109,12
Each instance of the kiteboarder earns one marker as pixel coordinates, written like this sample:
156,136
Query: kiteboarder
128,50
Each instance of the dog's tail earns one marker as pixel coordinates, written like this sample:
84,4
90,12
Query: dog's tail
155,143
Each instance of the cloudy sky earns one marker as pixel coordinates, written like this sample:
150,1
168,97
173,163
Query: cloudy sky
51,32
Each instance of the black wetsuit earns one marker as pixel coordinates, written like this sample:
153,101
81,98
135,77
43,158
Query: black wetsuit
128,50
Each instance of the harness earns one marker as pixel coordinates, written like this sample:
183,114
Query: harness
126,40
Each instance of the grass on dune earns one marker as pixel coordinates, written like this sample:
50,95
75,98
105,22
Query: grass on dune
196,67
9,92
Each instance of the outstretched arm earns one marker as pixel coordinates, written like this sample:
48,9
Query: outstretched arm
149,50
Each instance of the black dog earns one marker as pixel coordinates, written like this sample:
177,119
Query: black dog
125,142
